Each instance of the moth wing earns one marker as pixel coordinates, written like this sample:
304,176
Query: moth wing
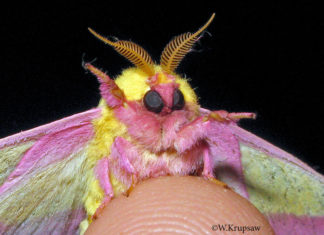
285,189
42,177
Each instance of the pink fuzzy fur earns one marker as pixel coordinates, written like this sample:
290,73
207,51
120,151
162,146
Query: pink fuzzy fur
194,138
102,174
106,91
121,156
156,132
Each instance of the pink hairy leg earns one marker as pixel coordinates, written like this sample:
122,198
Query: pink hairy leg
122,151
123,147
208,169
102,174
201,126
222,115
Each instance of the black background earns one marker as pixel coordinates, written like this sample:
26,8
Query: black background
263,58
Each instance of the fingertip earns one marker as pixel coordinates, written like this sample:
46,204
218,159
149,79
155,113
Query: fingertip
190,205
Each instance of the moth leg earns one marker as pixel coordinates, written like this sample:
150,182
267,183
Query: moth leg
238,116
134,182
223,116
190,134
122,148
123,151
208,169
102,174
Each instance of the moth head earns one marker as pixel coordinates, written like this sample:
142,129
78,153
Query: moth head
159,88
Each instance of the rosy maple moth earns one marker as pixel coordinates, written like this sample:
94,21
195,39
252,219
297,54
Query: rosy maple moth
148,123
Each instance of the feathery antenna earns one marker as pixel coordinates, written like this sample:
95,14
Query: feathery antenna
133,52
178,47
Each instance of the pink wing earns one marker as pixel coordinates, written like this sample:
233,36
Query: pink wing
285,189
42,178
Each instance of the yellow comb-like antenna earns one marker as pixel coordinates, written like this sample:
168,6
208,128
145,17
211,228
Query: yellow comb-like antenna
178,47
133,52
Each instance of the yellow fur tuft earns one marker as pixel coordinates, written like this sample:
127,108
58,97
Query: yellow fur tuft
133,82
188,93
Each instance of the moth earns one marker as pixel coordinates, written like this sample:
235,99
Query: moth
56,177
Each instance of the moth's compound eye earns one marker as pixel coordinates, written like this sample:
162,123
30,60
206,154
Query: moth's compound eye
153,101
178,100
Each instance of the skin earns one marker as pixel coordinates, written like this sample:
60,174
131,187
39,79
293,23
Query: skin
178,205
